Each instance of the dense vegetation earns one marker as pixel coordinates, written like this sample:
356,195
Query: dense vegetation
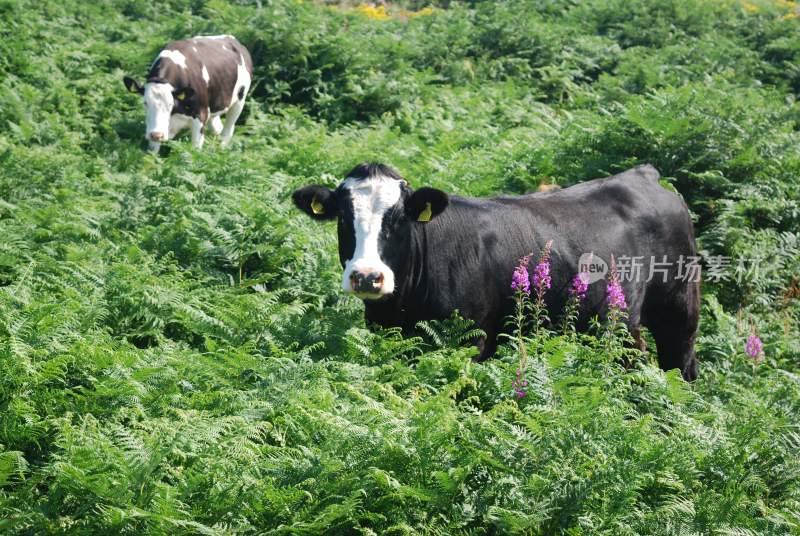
175,353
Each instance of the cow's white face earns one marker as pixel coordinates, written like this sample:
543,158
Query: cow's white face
378,214
365,273
158,103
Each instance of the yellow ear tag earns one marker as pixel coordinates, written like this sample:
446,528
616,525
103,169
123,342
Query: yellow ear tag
181,96
426,213
316,207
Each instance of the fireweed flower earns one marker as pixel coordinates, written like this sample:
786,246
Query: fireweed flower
614,293
518,384
577,293
541,274
521,283
580,285
754,348
615,333
541,282
615,296
520,280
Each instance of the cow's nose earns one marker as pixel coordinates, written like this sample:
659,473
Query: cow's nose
366,281
157,136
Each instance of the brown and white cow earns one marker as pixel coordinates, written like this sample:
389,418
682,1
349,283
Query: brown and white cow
192,83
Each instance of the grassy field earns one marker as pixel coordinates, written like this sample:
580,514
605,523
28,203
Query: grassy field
176,356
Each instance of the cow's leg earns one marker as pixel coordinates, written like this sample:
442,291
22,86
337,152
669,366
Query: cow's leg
675,344
674,328
216,125
198,135
487,346
230,121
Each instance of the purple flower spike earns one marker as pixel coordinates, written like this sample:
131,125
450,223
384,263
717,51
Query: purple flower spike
518,384
754,348
580,285
520,280
615,296
541,274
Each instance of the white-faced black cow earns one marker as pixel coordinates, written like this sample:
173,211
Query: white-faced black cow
192,83
419,255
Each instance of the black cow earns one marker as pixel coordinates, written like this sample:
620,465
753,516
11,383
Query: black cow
419,255
192,83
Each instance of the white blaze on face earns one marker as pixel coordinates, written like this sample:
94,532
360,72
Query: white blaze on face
371,198
158,102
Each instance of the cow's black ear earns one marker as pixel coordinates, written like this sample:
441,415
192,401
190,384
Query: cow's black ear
132,85
319,202
183,94
426,203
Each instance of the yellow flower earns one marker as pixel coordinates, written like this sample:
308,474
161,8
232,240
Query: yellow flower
750,8
424,12
373,12
379,12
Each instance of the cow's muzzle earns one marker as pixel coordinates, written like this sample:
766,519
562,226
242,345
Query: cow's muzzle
366,282
157,136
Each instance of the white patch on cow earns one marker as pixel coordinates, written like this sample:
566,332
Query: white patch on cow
176,56
371,199
194,49
243,80
206,76
178,122
158,102
224,36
